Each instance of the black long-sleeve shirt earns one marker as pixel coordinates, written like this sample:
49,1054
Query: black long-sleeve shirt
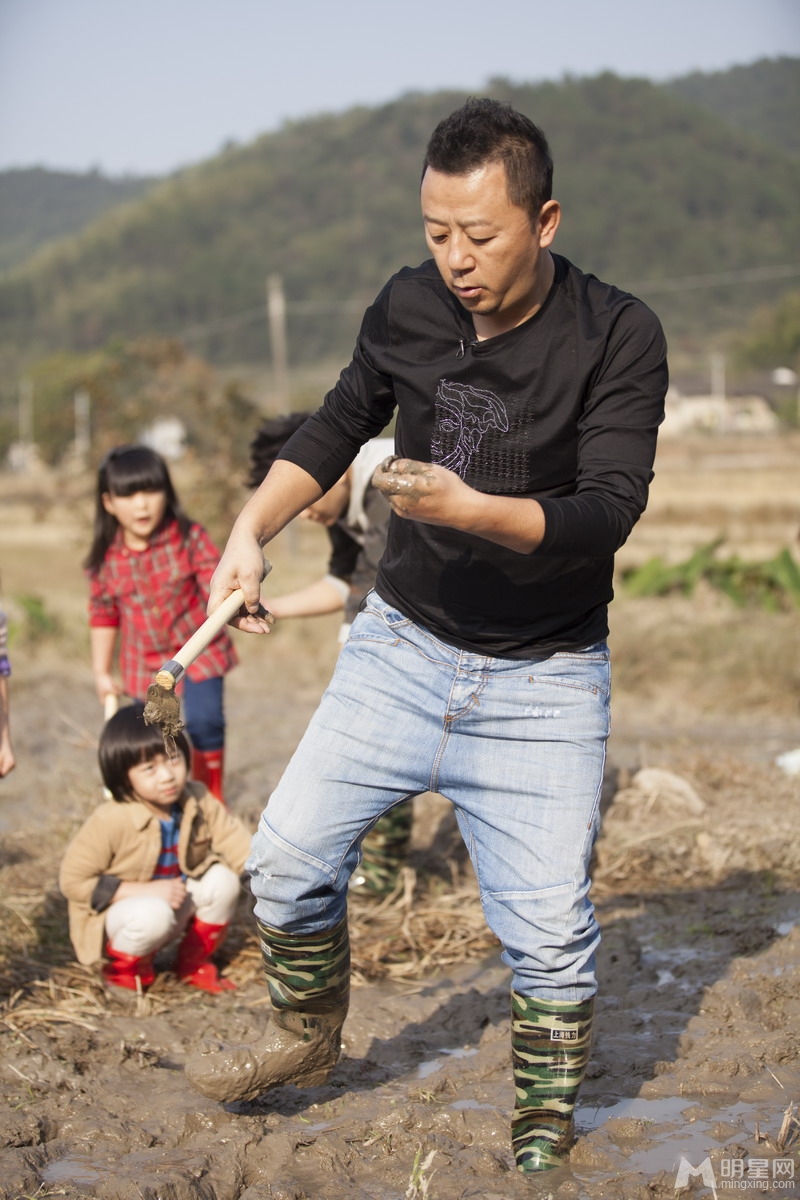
564,408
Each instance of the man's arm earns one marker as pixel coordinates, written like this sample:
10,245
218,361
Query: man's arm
285,492
432,494
327,595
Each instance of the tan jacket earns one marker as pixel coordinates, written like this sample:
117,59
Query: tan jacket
123,840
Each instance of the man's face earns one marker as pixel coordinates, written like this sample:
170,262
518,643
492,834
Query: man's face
488,253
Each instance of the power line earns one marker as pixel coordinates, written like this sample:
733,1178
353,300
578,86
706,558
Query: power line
641,287
247,315
720,279
231,322
312,306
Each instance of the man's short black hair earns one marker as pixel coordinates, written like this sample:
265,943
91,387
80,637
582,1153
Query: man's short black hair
126,742
486,131
270,439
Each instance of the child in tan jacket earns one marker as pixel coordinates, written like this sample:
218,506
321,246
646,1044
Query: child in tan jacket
159,863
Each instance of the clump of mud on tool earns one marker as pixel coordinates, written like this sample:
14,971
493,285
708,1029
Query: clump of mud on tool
163,708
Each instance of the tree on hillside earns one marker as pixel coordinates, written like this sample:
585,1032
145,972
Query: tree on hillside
773,338
655,191
130,385
762,98
771,343
39,205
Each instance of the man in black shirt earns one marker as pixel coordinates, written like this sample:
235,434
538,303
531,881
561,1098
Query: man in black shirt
528,397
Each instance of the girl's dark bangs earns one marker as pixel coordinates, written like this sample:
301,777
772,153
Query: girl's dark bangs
135,471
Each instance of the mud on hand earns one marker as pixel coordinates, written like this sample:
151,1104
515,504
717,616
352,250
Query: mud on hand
404,477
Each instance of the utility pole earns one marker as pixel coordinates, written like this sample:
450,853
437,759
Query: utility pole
23,453
276,320
25,412
83,405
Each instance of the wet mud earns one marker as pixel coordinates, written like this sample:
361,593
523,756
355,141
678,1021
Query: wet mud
404,477
696,1052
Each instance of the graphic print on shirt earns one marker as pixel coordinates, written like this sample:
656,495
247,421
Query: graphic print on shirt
464,415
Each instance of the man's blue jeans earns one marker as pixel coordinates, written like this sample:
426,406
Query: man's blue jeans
518,746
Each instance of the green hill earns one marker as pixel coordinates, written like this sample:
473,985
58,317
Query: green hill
39,205
762,99
654,188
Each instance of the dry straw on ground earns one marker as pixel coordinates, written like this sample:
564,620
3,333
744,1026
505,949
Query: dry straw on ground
433,919
426,924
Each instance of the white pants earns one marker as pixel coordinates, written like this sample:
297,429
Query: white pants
143,924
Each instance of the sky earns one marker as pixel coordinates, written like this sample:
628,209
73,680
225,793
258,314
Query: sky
146,86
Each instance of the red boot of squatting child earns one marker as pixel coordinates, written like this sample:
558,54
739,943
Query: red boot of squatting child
193,964
207,767
124,970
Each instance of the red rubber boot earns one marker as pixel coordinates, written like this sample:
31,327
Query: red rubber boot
207,767
193,964
123,970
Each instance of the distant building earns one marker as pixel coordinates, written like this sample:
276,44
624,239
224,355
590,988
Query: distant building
24,458
167,436
717,414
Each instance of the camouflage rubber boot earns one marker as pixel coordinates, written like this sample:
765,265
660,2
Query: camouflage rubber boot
384,851
309,986
550,1051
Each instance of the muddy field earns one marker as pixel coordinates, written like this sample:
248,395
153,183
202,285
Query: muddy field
697,885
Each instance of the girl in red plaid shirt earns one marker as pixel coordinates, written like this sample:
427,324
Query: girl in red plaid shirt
149,570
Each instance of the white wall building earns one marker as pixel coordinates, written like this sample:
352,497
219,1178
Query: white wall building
716,414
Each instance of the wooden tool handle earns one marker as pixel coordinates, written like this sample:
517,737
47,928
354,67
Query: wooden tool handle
202,637
172,671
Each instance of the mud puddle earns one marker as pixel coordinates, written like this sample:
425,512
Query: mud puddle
701,1071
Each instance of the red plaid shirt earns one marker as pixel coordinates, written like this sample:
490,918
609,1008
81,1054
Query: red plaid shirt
157,598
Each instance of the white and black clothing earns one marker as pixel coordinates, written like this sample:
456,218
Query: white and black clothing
358,538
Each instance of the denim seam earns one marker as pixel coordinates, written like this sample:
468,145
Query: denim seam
401,641
590,688
433,782
584,658
299,854
474,697
394,804
406,623
536,893
593,825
